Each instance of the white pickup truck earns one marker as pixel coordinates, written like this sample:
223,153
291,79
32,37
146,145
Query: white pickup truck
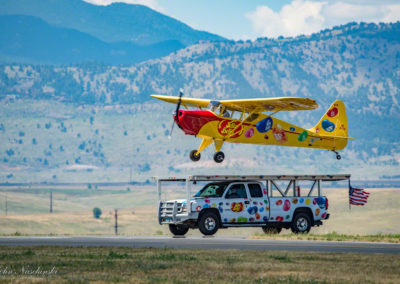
246,201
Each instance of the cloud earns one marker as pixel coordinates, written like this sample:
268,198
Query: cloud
149,3
306,17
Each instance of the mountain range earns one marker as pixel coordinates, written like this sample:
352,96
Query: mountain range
74,31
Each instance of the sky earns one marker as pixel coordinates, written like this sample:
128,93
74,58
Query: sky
251,19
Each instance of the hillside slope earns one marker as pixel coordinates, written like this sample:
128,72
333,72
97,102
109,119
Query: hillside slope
357,63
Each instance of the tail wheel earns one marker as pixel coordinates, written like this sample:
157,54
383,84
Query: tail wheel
178,230
219,157
338,157
301,223
209,223
193,156
271,230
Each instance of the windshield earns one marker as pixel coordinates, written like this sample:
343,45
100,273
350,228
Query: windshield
212,190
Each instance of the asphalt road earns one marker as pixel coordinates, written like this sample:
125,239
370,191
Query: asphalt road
203,243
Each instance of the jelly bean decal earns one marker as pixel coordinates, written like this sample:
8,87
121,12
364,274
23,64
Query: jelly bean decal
252,219
229,128
206,206
214,205
265,219
286,205
279,219
278,202
267,208
323,216
327,125
198,208
225,220
237,207
252,210
220,209
265,191
279,134
249,133
321,202
317,211
233,220
294,201
266,201
301,200
287,217
206,200
255,202
221,203
308,201
302,136
314,201
292,129
266,137
258,216
264,125
261,209
332,112
242,219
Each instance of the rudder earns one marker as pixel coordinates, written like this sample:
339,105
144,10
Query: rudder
334,121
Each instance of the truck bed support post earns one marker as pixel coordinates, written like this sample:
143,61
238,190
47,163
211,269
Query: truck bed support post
159,190
319,187
188,192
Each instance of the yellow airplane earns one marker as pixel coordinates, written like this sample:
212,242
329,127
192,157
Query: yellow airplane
250,121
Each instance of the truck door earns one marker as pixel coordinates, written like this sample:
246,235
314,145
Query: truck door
236,204
258,204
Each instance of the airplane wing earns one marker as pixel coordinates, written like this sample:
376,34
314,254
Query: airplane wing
188,102
270,104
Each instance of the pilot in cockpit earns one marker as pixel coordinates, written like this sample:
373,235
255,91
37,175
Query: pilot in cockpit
217,108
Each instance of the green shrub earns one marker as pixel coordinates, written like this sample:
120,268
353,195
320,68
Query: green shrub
96,212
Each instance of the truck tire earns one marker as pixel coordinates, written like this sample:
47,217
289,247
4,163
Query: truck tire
301,223
208,223
178,230
271,230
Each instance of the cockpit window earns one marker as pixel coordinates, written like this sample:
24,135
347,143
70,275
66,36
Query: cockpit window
252,117
214,106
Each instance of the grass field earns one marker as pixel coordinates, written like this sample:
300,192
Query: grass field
103,265
28,214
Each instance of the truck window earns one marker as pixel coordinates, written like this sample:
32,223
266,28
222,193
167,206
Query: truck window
236,191
212,190
255,190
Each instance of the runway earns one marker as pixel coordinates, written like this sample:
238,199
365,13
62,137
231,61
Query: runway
202,243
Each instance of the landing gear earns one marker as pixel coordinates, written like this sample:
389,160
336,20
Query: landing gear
219,156
338,157
193,156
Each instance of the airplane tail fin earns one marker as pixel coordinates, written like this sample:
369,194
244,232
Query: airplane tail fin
334,122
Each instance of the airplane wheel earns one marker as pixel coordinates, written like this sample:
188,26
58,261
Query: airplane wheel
219,157
338,157
194,157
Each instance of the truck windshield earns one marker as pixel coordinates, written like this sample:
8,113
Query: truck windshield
212,190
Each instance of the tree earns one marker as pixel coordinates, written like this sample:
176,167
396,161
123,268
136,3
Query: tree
97,212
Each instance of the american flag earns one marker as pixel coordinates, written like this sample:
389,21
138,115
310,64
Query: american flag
358,196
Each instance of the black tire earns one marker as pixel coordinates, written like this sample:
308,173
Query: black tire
271,230
208,223
338,157
301,223
178,230
193,156
219,157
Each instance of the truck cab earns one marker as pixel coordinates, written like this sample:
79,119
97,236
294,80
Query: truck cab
246,202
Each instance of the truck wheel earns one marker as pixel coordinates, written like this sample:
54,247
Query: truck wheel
271,230
301,223
178,230
209,223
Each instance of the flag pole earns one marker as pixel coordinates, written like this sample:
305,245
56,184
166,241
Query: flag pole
349,195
